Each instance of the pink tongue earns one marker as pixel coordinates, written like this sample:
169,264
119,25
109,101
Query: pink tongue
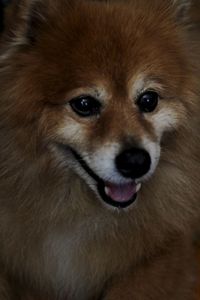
121,193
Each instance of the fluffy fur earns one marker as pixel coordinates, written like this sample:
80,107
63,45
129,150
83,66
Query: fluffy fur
58,239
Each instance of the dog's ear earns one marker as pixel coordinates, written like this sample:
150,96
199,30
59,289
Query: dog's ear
35,15
183,10
23,19
31,17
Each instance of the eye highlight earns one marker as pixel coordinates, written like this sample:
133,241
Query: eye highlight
85,106
148,101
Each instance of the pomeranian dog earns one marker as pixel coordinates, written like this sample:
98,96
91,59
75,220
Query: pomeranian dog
99,150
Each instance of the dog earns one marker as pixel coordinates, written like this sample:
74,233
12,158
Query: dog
99,152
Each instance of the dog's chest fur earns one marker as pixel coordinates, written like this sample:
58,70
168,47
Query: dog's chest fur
78,263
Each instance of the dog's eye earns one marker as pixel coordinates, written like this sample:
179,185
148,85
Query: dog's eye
85,106
148,101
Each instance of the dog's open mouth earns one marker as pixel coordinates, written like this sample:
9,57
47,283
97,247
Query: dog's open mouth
121,195
117,195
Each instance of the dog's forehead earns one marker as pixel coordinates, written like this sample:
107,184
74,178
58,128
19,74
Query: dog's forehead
106,42
109,43
108,34
102,29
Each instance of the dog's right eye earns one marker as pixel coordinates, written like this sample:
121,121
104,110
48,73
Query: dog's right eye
85,106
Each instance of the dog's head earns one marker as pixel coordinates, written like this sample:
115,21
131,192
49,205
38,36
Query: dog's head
99,83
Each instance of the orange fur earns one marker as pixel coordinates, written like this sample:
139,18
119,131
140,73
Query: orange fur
58,240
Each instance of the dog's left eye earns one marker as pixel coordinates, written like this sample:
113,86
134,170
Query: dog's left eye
85,106
148,101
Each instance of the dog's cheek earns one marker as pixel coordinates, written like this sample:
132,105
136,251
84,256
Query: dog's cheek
164,120
167,119
71,133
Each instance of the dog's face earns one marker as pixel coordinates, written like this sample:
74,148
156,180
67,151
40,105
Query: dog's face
104,82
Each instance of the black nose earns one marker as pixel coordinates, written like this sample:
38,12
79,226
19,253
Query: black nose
133,163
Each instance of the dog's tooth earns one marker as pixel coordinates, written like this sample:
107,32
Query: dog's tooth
138,187
106,190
